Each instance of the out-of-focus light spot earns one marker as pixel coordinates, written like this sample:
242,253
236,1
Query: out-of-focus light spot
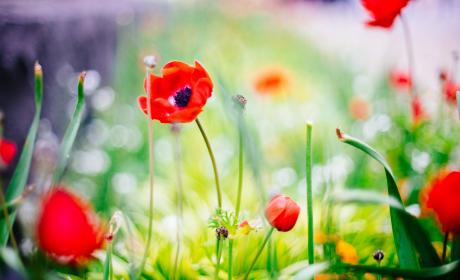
164,150
170,224
284,176
420,160
86,187
118,136
375,124
125,16
363,86
97,132
124,183
64,74
414,210
135,140
92,81
103,99
91,162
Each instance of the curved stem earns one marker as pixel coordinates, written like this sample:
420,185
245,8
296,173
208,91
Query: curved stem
269,233
179,199
7,220
219,255
214,165
149,234
410,53
444,247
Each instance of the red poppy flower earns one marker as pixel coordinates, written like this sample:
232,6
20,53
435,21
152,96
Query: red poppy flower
68,229
399,79
444,200
7,152
282,212
418,114
383,12
450,90
180,95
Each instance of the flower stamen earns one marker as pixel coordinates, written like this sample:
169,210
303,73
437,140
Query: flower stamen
182,96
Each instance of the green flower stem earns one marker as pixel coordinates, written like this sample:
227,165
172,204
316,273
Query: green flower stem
379,276
240,177
410,53
214,165
230,256
311,253
444,247
455,252
219,255
7,219
149,234
179,199
108,267
269,233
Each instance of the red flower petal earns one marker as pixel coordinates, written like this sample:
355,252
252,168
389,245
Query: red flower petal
275,207
67,227
383,12
282,213
7,151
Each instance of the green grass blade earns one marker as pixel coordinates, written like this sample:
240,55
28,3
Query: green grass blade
310,271
411,224
71,133
108,263
427,273
21,174
404,244
311,252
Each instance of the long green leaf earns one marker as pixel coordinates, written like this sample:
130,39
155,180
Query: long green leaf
310,271
71,133
21,174
411,224
427,273
405,242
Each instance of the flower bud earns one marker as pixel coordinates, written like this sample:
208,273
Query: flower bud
378,255
282,212
150,61
222,232
239,101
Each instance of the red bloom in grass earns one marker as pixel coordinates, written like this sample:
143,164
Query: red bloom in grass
399,79
383,12
418,114
450,90
444,200
7,152
272,81
68,229
282,212
180,95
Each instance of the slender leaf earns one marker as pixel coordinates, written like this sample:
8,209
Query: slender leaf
108,263
21,174
406,242
426,273
310,271
411,224
71,133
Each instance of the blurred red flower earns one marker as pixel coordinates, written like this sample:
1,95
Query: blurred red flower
383,12
180,95
282,212
272,81
68,229
7,152
450,90
418,115
444,200
399,79
359,108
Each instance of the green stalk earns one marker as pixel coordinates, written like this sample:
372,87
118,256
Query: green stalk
230,256
240,177
311,253
379,276
410,53
219,255
214,165
444,247
7,219
455,252
149,234
269,233
179,198
108,268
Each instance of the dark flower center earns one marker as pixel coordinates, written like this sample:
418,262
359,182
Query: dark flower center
182,97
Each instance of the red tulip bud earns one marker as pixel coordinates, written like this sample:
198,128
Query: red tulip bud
282,212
